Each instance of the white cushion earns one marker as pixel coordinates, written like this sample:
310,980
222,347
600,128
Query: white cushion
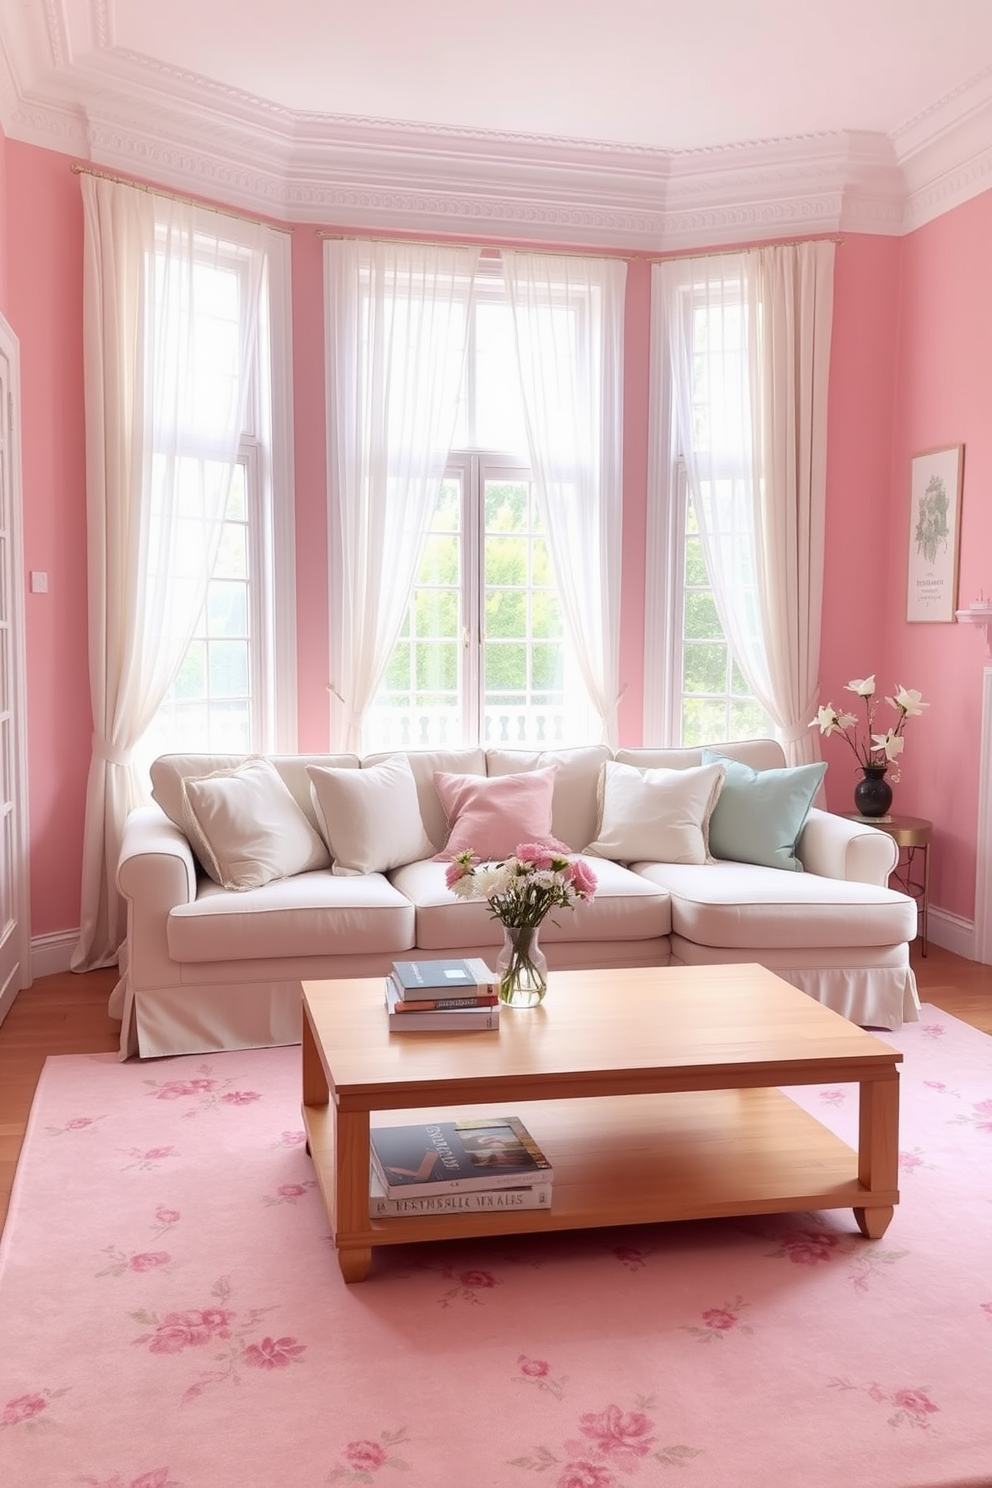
745,907
310,915
370,818
246,829
624,908
425,763
662,815
168,772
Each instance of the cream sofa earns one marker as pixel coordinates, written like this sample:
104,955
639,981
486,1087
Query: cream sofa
207,968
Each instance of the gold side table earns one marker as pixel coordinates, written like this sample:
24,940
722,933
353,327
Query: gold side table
911,834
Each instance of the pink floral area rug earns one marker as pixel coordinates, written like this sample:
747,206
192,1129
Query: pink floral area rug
172,1314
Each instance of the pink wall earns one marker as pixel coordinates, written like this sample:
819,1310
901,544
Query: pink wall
3,221
944,396
44,307
907,373
859,461
313,663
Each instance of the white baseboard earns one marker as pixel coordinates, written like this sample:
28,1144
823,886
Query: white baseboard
952,933
52,953
7,999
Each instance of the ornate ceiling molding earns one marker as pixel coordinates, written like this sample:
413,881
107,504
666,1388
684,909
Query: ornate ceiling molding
130,114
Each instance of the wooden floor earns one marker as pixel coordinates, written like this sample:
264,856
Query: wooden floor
67,1014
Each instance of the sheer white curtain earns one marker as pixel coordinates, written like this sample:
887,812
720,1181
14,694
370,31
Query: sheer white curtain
170,306
568,322
747,341
396,342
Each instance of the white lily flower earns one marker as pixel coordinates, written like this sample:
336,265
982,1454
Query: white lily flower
864,687
891,744
909,700
846,720
826,720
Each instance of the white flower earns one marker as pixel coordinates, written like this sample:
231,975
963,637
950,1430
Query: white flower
463,887
891,744
868,747
491,879
826,719
909,700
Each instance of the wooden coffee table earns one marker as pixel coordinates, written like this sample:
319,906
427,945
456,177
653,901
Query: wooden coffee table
654,1093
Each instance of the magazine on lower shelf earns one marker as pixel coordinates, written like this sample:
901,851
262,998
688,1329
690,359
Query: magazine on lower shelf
449,1020
465,1201
439,1157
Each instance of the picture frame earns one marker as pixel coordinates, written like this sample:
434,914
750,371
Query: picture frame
936,479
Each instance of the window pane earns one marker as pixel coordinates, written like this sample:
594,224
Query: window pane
701,618
499,422
704,721
191,678
705,668
228,668
227,609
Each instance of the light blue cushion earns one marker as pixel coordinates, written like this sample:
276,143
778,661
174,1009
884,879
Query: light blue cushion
759,814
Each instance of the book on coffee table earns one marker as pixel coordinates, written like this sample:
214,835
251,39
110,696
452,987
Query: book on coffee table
444,1157
436,1001
472,1019
470,1201
456,974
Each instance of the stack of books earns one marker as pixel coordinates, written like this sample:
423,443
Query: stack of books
454,1167
459,995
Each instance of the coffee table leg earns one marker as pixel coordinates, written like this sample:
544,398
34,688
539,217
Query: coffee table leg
355,1263
351,1193
878,1152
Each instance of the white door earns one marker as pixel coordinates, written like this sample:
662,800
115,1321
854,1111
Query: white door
15,944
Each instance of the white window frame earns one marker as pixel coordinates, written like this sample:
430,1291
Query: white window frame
266,452
665,588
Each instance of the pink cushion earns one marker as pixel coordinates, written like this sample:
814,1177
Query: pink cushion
493,814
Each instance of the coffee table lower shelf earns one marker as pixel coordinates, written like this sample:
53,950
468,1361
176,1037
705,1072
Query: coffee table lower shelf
620,1160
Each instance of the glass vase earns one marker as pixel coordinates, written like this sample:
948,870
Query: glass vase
522,967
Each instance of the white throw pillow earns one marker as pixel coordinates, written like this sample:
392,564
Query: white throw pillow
371,817
245,827
658,816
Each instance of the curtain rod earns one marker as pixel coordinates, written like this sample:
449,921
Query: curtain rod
751,248
189,201
493,249
487,249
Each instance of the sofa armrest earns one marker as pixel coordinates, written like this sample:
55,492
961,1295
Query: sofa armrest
835,847
156,871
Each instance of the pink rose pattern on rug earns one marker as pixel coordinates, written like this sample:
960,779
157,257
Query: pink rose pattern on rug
609,1442
30,1411
204,1092
197,1327
365,1459
719,1322
538,1372
909,1405
195,1285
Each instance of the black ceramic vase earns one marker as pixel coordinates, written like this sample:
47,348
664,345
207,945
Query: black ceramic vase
873,794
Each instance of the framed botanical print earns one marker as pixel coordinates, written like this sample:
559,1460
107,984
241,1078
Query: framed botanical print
934,527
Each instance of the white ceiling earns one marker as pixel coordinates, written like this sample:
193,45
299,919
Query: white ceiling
617,120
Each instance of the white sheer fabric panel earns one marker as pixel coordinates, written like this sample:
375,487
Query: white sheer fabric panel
748,348
171,299
396,342
790,367
568,320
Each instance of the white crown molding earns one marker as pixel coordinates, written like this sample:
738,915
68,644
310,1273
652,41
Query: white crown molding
130,114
